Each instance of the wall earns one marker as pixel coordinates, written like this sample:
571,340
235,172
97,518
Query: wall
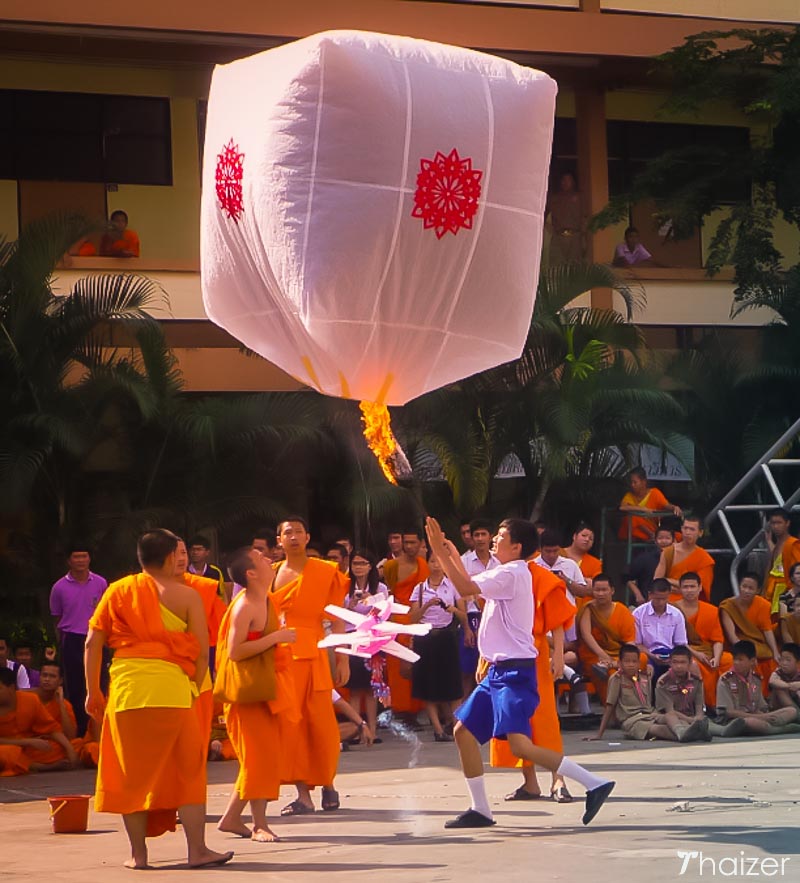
166,218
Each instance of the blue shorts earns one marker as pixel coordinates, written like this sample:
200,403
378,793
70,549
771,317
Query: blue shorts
503,702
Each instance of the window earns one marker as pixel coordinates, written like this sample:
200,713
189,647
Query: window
631,145
71,136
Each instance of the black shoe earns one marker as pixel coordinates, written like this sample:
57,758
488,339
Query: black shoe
595,799
470,819
442,737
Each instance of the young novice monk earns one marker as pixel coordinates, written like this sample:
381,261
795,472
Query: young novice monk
784,683
505,700
739,695
249,628
680,691
628,700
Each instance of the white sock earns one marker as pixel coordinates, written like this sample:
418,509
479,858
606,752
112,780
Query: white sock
581,699
569,673
571,770
477,791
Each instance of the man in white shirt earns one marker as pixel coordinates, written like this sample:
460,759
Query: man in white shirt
502,705
23,682
476,560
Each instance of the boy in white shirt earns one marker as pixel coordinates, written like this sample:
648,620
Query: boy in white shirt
502,705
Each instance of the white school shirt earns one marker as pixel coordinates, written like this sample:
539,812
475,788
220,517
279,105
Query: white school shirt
436,615
506,629
473,564
23,681
574,574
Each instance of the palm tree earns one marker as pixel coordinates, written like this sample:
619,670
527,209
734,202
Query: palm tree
583,394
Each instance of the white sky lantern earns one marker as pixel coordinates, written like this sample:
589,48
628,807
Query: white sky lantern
373,209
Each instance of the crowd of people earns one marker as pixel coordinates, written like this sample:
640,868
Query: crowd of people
519,619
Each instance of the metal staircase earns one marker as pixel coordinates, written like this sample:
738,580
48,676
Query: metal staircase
772,482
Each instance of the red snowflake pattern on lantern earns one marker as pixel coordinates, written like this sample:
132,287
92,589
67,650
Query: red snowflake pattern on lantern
447,193
230,170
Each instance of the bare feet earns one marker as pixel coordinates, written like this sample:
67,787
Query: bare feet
134,865
208,858
265,835
234,827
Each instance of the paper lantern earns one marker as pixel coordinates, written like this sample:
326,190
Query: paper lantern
373,208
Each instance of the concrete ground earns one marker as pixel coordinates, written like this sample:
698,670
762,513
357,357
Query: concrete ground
733,804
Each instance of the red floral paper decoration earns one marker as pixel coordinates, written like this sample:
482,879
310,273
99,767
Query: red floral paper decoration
230,170
447,193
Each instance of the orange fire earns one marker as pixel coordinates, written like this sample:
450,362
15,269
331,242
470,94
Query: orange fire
381,441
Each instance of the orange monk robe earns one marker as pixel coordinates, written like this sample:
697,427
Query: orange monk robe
610,632
776,585
552,610
219,733
29,720
589,566
400,687
703,631
151,758
642,527
121,244
750,625
214,609
254,728
699,562
311,745
791,624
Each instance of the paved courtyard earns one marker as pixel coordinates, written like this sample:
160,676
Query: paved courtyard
735,805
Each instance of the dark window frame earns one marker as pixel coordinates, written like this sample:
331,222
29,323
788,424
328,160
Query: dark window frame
14,131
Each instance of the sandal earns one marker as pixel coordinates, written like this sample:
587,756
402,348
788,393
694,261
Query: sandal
330,799
297,808
522,794
561,795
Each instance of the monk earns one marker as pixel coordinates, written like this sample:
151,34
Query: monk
51,694
604,625
747,617
152,755
641,497
30,739
578,551
706,639
552,613
784,553
120,241
214,610
401,574
303,587
250,628
685,556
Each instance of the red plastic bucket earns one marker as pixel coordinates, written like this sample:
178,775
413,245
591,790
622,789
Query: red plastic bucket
69,813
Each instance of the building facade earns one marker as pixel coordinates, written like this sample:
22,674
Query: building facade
102,108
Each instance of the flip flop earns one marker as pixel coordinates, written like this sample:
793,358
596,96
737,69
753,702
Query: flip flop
297,808
561,795
522,794
330,799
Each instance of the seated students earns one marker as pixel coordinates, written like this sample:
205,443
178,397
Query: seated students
659,626
504,701
747,617
680,691
30,740
739,695
351,725
704,632
643,566
604,625
629,691
784,682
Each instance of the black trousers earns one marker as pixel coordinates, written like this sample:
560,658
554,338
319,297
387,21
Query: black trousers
74,676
